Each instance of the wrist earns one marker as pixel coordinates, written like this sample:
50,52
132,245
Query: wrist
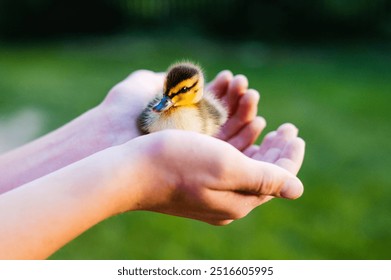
97,129
132,180
72,142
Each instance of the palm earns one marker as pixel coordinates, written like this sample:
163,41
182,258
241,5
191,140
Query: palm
127,99
281,147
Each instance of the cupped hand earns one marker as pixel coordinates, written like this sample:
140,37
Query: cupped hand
243,125
126,101
200,177
282,148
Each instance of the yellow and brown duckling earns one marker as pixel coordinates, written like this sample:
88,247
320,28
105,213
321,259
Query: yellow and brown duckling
184,104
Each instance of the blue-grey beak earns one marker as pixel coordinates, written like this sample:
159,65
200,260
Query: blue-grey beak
163,105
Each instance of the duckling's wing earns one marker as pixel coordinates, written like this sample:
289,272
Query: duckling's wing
147,117
213,112
216,108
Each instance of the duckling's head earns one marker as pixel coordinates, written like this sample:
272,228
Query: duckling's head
183,86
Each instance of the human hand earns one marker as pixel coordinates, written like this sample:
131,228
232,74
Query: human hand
113,122
282,147
126,101
175,172
243,125
204,178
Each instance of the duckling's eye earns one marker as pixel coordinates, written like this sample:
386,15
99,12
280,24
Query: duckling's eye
184,90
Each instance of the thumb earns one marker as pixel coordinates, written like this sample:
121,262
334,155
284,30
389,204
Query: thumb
262,178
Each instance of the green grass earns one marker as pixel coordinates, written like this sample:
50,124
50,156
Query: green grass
339,97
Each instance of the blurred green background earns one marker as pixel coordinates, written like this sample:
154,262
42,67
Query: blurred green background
322,65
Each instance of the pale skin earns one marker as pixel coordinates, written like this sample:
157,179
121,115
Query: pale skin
97,166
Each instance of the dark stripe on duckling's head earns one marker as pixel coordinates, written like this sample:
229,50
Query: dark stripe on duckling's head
183,90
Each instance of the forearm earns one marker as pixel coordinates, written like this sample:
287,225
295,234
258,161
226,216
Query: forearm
40,217
78,139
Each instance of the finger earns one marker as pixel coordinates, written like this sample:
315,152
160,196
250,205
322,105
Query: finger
237,88
251,150
292,156
245,175
230,206
266,144
285,133
221,205
246,112
248,134
271,155
220,83
261,178
276,141
220,222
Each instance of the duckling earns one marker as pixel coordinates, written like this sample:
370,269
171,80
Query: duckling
184,104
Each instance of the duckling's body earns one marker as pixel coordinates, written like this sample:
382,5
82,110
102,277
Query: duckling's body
183,104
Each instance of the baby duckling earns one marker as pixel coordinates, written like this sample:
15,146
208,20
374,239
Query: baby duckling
184,104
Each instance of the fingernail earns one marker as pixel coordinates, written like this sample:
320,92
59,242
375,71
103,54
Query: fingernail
292,188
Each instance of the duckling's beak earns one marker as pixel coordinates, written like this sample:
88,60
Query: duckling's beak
163,105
